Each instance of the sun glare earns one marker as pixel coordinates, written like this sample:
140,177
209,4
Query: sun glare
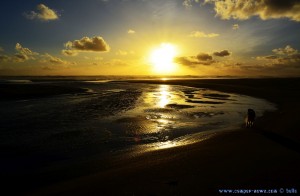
162,58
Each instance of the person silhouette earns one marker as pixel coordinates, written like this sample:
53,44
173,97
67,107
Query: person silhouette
250,118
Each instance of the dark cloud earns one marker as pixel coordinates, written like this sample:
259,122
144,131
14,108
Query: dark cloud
95,44
186,60
204,57
200,59
222,53
265,9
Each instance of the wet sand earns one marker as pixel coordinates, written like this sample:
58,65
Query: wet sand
264,157
15,91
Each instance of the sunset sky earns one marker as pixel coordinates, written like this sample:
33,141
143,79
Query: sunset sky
150,37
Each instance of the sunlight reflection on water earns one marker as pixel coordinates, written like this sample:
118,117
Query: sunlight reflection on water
164,96
171,115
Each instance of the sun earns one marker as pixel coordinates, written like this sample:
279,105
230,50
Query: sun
162,58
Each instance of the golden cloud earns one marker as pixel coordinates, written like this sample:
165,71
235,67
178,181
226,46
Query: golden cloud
130,31
25,51
288,50
43,13
4,58
69,52
19,58
235,26
200,34
23,54
265,9
47,58
86,44
283,56
187,3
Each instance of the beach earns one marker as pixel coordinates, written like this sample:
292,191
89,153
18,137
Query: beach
265,157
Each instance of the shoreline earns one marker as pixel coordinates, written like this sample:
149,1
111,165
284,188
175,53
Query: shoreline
264,157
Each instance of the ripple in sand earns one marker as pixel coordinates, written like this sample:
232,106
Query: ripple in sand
179,106
204,102
216,96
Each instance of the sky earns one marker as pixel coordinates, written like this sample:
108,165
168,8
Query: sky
150,37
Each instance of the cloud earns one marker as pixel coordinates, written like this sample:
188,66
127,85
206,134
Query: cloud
283,56
191,60
43,13
47,68
4,58
204,57
25,51
200,59
265,9
1,49
222,53
98,58
19,58
116,62
86,44
23,54
200,34
288,50
187,3
47,58
124,53
69,52
268,57
235,26
130,31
